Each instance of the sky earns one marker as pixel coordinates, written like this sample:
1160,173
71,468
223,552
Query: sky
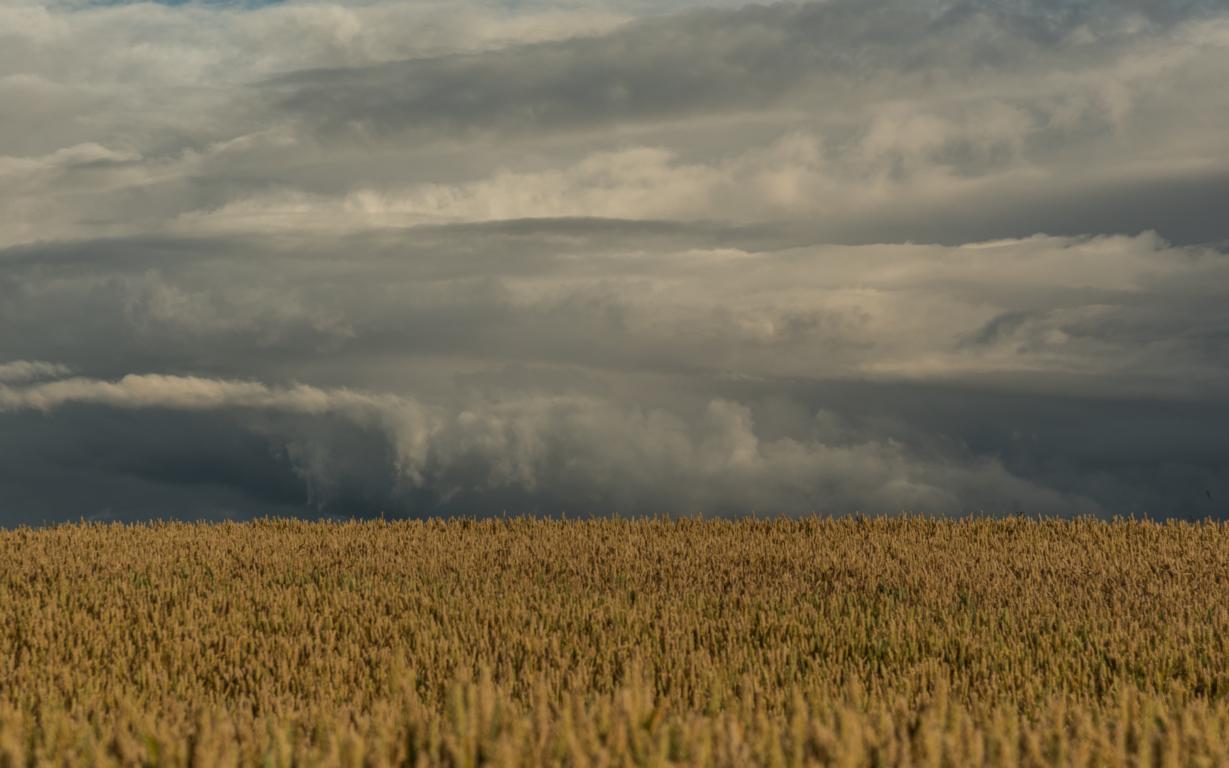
585,257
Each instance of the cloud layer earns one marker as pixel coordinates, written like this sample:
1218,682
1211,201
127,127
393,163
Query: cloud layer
613,258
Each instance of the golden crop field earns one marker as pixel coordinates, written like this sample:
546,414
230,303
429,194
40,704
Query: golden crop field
591,643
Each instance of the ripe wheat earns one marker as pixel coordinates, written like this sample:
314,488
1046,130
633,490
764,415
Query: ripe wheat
528,642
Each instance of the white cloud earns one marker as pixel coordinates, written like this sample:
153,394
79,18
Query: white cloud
18,371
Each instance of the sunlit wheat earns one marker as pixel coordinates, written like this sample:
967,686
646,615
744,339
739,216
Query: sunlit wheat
527,642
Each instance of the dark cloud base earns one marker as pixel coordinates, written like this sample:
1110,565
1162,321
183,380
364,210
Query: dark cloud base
1139,458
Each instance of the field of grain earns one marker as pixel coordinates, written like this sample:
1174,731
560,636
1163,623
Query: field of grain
525,642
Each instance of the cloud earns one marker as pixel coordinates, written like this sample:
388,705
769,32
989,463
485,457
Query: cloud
836,113
459,257
30,370
579,451
746,59
1114,316
589,365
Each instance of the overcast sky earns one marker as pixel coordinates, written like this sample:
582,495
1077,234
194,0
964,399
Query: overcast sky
596,257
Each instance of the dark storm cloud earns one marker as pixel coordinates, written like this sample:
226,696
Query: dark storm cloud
541,454
541,367
1145,457
103,464
474,258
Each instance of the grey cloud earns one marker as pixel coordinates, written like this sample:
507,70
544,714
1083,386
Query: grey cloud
885,121
874,377
576,451
430,259
720,60
106,464
1025,455
1114,315
1143,457
877,121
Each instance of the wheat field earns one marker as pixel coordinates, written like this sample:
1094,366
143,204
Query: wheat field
600,643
